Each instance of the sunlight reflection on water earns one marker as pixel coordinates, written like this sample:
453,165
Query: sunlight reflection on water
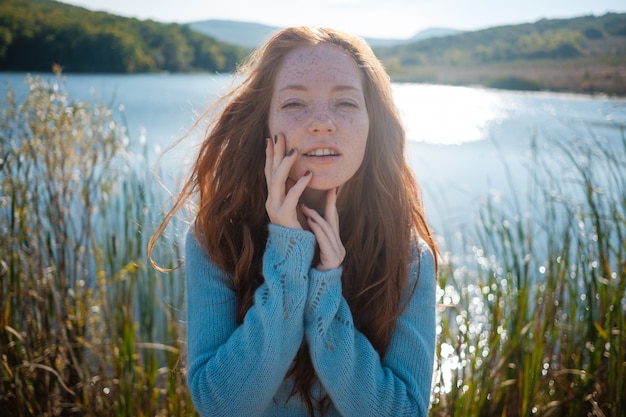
447,115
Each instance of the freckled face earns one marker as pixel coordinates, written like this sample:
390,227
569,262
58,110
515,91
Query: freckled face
319,105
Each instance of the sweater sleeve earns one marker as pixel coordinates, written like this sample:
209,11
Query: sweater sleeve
358,382
236,369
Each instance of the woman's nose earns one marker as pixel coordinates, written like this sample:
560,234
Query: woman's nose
322,121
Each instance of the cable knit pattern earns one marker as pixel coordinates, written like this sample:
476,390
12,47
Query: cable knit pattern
239,370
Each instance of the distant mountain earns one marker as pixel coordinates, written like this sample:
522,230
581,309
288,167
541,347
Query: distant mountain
434,33
245,34
251,35
421,35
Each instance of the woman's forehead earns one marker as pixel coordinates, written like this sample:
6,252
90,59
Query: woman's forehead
319,63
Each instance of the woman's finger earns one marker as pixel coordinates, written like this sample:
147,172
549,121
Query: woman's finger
279,146
283,192
332,251
330,210
281,171
269,161
320,221
277,167
295,192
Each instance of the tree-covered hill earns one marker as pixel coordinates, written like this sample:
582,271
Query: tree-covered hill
36,34
546,39
581,54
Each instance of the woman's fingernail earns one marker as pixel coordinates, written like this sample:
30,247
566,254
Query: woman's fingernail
275,139
306,174
291,152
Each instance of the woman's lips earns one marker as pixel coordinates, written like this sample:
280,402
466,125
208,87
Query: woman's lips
321,152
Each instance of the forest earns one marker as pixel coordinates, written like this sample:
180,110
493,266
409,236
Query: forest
37,34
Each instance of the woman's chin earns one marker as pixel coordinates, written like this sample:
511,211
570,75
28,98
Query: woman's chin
324,186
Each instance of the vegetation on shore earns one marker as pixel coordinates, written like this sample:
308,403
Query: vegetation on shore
37,34
534,310
87,327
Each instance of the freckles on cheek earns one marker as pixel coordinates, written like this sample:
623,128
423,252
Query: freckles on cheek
288,123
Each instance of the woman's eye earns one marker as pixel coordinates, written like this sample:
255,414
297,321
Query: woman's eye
347,104
292,105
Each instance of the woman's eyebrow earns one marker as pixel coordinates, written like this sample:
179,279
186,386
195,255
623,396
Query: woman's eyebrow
301,87
346,88
297,87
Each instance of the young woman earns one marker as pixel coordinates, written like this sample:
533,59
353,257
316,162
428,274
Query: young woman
310,268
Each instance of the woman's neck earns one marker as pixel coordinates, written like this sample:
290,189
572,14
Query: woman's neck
315,199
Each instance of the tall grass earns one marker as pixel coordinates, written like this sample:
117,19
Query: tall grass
534,320
534,313
86,327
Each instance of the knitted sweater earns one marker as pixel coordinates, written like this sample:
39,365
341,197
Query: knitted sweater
239,369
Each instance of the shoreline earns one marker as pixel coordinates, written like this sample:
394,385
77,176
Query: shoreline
596,81
579,77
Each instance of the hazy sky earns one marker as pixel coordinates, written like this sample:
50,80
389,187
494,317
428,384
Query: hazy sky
373,18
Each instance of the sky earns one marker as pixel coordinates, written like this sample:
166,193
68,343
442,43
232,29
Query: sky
369,18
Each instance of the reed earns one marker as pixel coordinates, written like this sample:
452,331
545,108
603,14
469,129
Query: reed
533,320
533,308
86,326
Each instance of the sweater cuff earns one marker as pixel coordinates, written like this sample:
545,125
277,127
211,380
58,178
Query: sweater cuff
324,291
284,239
289,250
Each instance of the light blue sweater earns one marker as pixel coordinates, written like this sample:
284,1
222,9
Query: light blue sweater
239,369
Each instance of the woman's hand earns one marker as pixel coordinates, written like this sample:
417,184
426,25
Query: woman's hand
282,193
326,230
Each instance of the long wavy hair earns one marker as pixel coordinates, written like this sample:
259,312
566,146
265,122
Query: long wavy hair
381,213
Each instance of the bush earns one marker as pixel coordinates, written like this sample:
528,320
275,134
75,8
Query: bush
515,83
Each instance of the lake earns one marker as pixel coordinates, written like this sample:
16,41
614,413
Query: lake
464,143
